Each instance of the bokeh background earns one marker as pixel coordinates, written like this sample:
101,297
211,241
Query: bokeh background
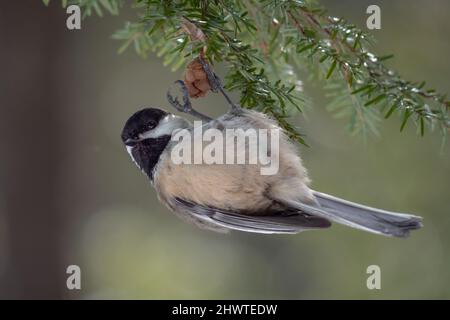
69,193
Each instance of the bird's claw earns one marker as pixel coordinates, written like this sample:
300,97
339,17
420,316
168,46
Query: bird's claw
213,79
186,107
215,83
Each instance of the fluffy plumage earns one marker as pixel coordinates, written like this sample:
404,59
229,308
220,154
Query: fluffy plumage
223,196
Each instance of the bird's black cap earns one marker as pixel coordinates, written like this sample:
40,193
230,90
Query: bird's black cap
141,121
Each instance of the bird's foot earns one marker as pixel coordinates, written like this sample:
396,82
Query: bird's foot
215,82
213,79
186,107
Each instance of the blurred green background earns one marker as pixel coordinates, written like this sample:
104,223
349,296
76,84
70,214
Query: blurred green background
69,193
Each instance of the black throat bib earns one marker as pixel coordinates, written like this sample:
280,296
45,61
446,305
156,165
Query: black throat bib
147,152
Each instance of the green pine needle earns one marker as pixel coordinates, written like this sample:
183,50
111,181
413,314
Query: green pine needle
267,44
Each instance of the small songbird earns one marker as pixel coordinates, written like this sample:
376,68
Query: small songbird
225,197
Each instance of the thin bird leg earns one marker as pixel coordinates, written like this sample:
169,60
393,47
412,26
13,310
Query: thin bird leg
216,83
186,107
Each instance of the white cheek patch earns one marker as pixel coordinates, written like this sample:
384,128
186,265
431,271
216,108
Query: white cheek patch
165,127
129,150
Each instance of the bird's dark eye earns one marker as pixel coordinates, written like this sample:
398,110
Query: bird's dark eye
151,124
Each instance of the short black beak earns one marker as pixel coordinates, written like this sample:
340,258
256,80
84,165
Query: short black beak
131,142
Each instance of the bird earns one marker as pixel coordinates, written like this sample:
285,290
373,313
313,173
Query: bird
223,197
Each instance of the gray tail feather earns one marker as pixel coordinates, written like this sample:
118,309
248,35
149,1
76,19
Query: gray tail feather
359,216
367,218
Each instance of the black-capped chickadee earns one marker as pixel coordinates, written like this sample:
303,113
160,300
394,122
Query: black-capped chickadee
224,196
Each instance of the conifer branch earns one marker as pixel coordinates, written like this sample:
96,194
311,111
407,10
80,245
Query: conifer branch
267,45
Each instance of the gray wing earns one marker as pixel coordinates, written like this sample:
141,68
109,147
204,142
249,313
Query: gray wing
287,222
